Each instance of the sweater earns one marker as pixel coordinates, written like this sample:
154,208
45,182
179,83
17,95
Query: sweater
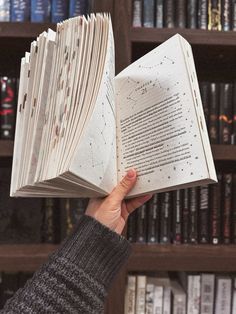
76,277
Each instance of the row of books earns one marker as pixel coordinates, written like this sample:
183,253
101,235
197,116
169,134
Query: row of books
10,283
202,293
26,220
42,10
219,104
202,14
205,214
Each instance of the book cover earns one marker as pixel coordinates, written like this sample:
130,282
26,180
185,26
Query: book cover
226,113
204,232
177,216
20,10
131,227
214,113
207,293
59,11
226,11
186,211
215,207
159,13
227,206
5,10
78,7
130,295
192,14
214,15
141,227
137,13
181,14
40,11
148,13
153,219
233,15
7,108
204,89
223,295
169,14
193,216
202,14
165,219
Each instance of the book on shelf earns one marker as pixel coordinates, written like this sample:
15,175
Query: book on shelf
79,128
40,11
20,10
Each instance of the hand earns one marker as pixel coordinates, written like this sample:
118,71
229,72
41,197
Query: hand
113,211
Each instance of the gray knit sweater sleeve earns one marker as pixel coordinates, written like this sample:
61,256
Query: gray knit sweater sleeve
77,276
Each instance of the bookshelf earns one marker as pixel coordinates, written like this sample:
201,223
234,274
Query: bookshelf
209,47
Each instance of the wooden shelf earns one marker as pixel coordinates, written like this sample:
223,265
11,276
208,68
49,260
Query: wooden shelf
183,258
6,148
28,257
23,30
194,36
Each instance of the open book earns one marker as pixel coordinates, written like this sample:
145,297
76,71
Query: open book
79,128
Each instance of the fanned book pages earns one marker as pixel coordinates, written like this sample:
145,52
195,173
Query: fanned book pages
79,128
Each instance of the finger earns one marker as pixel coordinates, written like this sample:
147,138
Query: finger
134,203
125,186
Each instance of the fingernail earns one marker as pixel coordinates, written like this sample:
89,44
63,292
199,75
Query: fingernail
131,173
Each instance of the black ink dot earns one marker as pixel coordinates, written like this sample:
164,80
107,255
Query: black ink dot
182,169
168,177
195,135
196,157
191,144
149,181
100,178
174,168
191,173
160,169
90,144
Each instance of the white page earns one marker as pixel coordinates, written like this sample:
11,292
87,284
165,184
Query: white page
95,158
157,126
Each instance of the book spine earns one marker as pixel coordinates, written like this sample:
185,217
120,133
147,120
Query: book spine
48,225
78,7
204,214
20,10
131,228
177,216
234,297
233,136
192,14
204,90
149,298
158,300
169,14
193,216
226,114
7,108
40,11
193,303
141,224
148,13
167,300
185,229
153,219
214,114
180,13
59,10
159,13
4,10
137,13
141,293
227,197
234,210
130,295
165,219
207,293
214,15
203,14
223,295
233,15
226,10
215,207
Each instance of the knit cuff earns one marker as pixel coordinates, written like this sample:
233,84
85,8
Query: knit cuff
96,249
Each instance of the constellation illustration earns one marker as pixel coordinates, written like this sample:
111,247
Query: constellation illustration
164,61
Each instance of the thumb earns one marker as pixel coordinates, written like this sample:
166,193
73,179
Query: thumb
125,186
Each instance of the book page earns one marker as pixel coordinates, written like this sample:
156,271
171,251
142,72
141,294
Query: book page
157,126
